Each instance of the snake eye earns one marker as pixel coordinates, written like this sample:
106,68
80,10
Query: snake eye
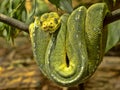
51,23
56,20
51,27
45,16
40,22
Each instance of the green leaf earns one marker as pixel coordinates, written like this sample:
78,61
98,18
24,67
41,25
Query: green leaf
113,35
114,2
65,5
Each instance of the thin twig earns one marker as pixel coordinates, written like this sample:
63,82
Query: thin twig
115,15
14,22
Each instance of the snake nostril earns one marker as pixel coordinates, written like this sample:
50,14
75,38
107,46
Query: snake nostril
67,61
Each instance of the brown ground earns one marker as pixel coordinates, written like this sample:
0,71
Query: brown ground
19,71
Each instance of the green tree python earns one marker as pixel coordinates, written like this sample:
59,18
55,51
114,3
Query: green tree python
69,48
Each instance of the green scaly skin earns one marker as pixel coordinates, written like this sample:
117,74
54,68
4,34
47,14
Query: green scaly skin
95,35
40,40
40,36
60,49
70,52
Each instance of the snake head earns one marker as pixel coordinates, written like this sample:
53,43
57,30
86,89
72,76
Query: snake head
50,22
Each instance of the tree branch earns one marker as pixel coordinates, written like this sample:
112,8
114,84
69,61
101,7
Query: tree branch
14,22
115,15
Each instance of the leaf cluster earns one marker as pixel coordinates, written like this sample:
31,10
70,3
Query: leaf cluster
22,10
14,9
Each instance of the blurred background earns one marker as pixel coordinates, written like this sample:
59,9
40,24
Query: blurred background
18,69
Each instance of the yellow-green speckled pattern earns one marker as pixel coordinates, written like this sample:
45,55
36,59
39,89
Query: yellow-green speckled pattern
50,22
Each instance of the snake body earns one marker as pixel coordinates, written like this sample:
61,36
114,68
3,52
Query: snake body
70,52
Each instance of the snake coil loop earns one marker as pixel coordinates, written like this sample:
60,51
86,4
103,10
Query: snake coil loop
68,49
